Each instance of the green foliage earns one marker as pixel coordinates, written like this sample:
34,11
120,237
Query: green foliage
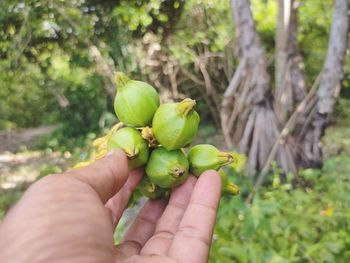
139,16
305,224
265,13
214,31
213,27
47,169
47,73
314,33
336,139
19,93
34,36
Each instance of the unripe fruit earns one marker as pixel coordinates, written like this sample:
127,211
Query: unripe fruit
130,141
167,168
151,190
204,157
135,102
175,124
226,185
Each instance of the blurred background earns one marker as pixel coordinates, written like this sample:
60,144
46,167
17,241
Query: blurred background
271,79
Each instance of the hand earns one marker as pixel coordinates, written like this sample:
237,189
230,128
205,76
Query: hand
71,217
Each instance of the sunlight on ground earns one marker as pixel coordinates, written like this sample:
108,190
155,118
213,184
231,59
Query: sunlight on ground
25,167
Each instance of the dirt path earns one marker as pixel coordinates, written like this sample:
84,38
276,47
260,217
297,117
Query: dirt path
24,167
12,140
18,168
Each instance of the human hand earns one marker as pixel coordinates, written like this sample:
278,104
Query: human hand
71,217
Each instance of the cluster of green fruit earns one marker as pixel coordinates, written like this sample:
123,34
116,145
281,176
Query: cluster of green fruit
155,135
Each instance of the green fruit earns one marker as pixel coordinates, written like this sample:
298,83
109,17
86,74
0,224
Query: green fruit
135,102
151,190
167,168
204,157
175,124
226,185
130,141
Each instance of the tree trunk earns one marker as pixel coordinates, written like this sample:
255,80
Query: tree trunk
289,77
330,84
105,69
247,117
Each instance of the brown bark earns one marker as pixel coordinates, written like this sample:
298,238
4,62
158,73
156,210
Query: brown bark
289,77
330,85
105,69
247,118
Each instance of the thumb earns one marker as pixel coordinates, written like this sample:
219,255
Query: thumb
106,176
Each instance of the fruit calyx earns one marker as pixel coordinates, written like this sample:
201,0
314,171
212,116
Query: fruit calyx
225,158
177,171
147,134
131,152
184,107
121,79
101,144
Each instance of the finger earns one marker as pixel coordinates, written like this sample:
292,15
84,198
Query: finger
193,239
106,176
169,223
142,228
118,203
149,259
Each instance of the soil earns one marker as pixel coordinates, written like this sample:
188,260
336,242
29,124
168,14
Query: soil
13,141
20,166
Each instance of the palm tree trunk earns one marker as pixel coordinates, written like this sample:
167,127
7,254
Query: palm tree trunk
248,120
330,85
289,77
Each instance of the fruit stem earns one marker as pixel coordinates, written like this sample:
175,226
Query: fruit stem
231,188
177,171
121,79
185,106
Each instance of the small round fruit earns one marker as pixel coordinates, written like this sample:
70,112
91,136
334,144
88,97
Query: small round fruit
135,102
151,190
130,141
175,124
204,157
167,168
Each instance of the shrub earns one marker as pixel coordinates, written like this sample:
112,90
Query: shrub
305,224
